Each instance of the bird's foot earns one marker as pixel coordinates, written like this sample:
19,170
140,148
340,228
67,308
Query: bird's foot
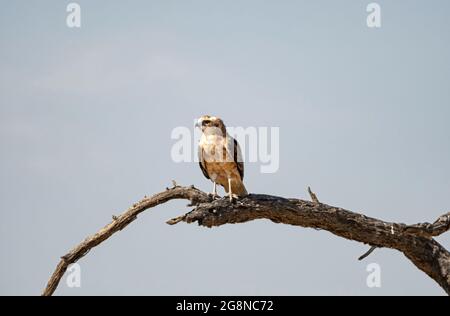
214,196
233,197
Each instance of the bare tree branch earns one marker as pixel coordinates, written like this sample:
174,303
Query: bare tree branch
120,222
414,241
313,196
440,226
367,253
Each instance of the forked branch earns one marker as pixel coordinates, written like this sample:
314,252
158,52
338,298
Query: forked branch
414,241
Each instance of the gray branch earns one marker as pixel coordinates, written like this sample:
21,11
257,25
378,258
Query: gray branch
414,241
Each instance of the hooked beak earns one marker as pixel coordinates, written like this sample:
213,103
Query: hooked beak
199,123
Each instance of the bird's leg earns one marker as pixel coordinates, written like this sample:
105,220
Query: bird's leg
214,192
229,190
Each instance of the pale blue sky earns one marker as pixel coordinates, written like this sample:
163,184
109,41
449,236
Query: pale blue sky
86,116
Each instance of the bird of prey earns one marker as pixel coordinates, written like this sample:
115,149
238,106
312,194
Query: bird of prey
220,157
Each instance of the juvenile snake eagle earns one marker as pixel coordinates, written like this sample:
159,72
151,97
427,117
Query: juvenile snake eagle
220,157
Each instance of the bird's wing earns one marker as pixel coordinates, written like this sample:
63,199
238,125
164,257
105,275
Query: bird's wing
202,162
238,159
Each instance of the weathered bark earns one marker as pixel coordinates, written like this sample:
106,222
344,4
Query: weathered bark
414,241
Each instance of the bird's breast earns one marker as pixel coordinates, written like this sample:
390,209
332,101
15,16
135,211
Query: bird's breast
215,149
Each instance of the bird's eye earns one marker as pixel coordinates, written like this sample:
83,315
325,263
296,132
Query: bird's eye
206,122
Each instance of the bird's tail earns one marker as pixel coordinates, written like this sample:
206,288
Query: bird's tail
238,188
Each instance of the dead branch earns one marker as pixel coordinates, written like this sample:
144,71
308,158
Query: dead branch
414,241
313,196
367,253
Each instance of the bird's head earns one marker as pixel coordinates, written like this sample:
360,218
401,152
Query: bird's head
211,125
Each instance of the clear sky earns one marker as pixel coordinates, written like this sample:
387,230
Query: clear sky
86,117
